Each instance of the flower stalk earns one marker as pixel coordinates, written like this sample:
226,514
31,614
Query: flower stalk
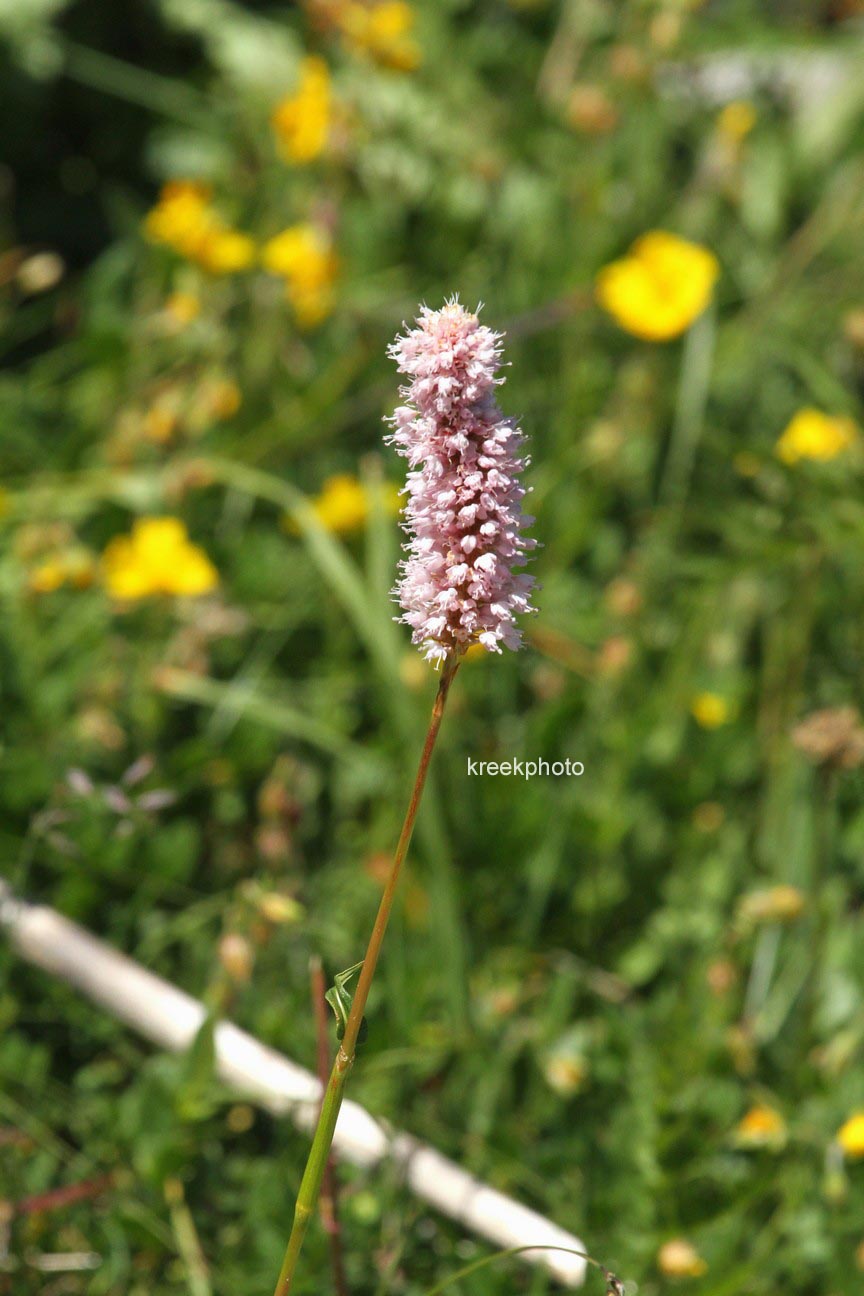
461,584
310,1185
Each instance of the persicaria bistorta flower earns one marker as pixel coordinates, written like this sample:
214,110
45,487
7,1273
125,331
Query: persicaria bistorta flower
459,584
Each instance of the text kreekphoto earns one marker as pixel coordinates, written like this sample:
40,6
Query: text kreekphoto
517,768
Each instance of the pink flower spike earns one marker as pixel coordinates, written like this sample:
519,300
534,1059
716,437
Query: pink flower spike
458,585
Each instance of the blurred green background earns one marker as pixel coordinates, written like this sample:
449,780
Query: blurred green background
634,1000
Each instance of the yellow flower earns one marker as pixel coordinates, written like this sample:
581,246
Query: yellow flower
159,423
678,1258
590,110
74,566
783,903
736,120
180,216
660,287
301,122
240,1118
280,908
182,308
303,256
710,710
184,220
157,558
761,1127
382,30
344,503
565,1073
224,398
47,577
814,435
850,1136
225,251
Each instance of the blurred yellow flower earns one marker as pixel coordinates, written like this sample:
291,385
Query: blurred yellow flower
236,956
157,558
182,308
761,1127
240,1118
710,710
280,908
660,287
414,671
160,421
344,503
303,256
782,903
223,398
850,1136
814,435
183,219
180,215
301,122
565,1073
736,120
590,110
678,1258
225,251
382,30
73,566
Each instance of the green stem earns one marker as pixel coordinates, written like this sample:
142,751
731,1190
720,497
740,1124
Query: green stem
823,850
310,1185
690,405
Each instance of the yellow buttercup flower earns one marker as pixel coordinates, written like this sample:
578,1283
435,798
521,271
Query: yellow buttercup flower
156,558
382,30
814,435
678,1258
303,256
180,216
565,1071
183,219
225,251
161,420
73,566
736,120
660,287
761,1127
49,576
781,903
301,122
710,710
850,1136
182,308
344,503
590,110
222,398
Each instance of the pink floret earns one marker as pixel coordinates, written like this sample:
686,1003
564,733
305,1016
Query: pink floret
459,584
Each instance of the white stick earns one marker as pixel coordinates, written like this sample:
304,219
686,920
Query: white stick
170,1018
